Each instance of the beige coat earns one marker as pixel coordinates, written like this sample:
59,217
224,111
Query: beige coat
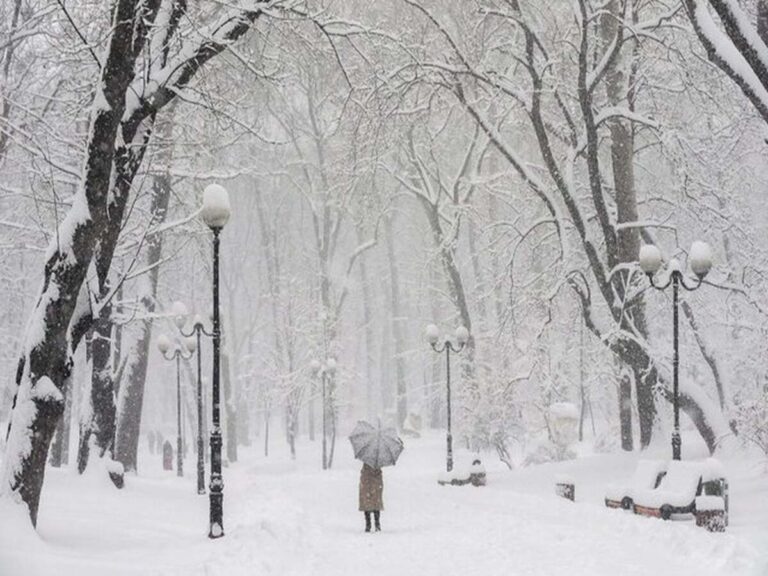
371,489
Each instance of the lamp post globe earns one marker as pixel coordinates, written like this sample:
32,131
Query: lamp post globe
650,259
432,334
163,344
216,208
191,344
179,313
462,335
700,258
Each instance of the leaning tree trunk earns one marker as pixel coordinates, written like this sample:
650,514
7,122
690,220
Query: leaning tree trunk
60,447
47,360
625,412
131,397
98,430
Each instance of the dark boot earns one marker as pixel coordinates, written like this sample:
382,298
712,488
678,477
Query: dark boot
376,517
368,521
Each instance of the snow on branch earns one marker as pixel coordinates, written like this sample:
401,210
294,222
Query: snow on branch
148,96
731,54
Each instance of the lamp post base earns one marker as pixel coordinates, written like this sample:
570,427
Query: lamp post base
216,529
676,445
216,488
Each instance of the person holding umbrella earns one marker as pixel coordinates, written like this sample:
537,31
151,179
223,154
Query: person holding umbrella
376,448
371,495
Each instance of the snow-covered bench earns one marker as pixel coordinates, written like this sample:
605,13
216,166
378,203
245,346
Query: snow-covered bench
710,513
647,476
714,483
676,493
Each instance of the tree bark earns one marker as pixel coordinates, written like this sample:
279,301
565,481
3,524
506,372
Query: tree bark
100,425
131,397
625,412
370,398
47,362
60,447
397,318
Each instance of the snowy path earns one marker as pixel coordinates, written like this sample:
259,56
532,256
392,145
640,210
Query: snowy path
298,521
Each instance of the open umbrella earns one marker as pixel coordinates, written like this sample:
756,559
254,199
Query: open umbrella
376,447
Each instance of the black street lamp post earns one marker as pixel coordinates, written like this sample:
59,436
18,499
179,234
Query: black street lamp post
700,259
215,213
198,329
175,352
433,337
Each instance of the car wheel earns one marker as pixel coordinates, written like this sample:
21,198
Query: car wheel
626,503
666,512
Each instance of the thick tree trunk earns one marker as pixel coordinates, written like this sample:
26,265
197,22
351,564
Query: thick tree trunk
619,80
625,412
99,429
60,447
370,388
131,397
397,319
39,401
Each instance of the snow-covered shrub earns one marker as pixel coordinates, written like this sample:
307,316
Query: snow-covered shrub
491,417
751,417
607,441
547,451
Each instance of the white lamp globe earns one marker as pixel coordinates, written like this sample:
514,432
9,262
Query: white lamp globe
163,343
432,334
191,343
315,366
462,335
700,258
330,365
179,312
216,209
198,321
650,259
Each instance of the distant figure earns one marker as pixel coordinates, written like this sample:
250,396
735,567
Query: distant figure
151,440
371,496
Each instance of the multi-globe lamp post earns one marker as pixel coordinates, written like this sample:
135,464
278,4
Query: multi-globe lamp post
700,261
433,337
180,314
171,351
215,213
324,370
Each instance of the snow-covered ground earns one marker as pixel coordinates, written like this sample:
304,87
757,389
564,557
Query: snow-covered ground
291,518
